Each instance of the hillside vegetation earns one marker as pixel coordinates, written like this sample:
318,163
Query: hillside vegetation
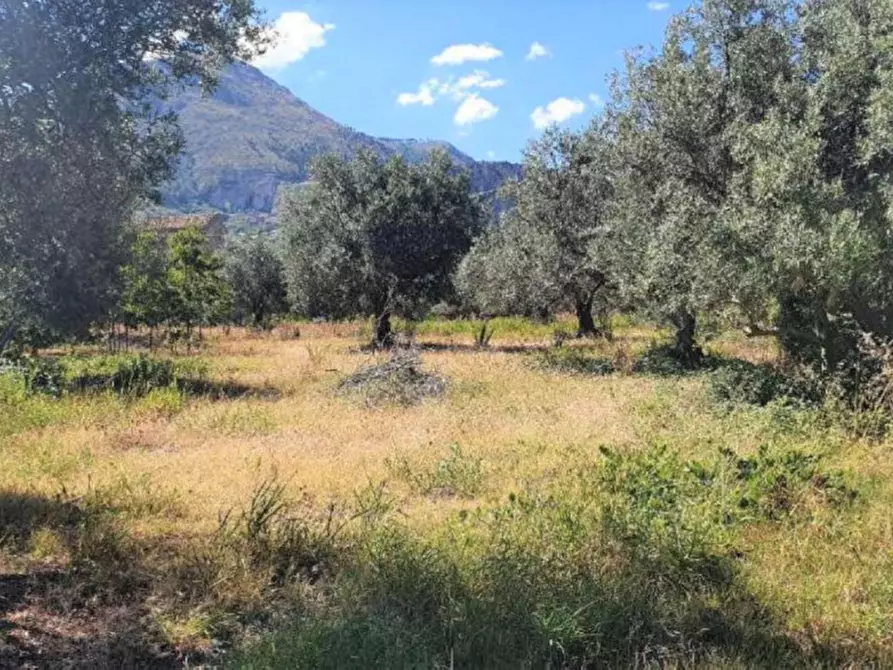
253,135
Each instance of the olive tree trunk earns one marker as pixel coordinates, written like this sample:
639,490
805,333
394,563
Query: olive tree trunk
6,337
383,337
585,322
687,352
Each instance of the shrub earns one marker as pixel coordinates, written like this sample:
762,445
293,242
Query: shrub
37,375
132,375
771,485
141,374
399,381
740,382
666,360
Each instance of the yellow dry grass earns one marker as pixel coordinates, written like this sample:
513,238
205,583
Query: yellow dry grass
521,422
215,451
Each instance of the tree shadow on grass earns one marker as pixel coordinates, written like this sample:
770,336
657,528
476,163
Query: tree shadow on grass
226,390
456,347
412,608
473,348
190,386
87,609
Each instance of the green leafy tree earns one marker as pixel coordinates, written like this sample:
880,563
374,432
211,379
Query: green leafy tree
256,279
371,238
146,296
199,293
85,141
550,250
679,118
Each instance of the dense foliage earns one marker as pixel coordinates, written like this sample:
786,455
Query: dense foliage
83,141
370,238
548,252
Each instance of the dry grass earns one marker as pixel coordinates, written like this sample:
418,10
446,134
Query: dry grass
182,460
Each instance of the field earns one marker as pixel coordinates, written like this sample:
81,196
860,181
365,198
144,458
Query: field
557,507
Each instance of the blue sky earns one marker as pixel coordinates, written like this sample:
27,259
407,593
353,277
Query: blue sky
486,75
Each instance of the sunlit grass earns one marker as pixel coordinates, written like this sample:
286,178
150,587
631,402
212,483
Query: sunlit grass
166,464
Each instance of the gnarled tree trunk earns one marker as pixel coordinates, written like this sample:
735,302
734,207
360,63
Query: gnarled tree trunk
383,338
585,322
685,348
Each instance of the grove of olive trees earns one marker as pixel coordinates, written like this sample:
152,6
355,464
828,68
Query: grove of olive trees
741,172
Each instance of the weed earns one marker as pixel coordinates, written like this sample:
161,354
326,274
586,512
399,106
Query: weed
620,563
46,543
36,375
132,375
740,382
458,474
161,403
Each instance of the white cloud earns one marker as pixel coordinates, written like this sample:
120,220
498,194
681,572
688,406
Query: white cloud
658,6
477,79
491,155
426,94
557,111
433,89
537,50
474,109
296,35
461,53
596,100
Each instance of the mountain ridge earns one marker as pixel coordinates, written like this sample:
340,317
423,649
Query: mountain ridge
254,135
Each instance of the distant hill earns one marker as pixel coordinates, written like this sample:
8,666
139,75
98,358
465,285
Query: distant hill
254,135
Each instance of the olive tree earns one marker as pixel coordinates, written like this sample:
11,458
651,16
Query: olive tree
820,200
679,116
84,139
550,249
368,237
255,274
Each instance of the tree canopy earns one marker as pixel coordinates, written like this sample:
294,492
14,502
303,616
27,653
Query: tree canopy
370,238
83,139
549,251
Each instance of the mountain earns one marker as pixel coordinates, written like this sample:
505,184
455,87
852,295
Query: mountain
254,135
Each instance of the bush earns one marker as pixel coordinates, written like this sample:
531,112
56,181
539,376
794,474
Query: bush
37,375
130,375
141,374
740,382
399,381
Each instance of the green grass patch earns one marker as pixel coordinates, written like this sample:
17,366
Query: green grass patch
628,560
456,474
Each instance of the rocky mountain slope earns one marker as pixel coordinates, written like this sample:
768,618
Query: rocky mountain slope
254,135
